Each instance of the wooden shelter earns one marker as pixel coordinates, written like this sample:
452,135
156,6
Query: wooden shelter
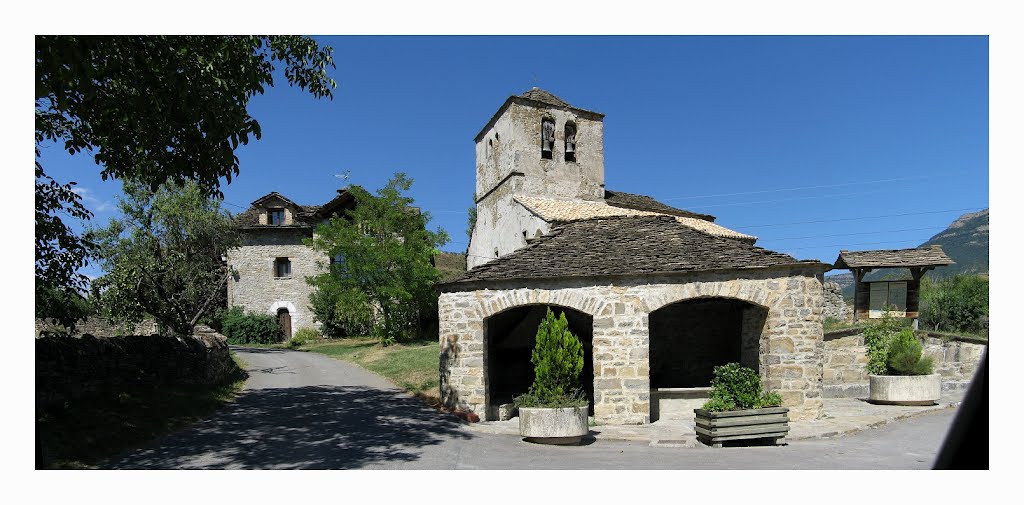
871,298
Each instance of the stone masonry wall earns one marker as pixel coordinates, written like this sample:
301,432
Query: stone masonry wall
74,367
835,306
845,357
790,345
255,287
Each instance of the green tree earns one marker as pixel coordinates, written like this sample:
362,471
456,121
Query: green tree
151,109
471,213
163,257
381,273
557,358
959,303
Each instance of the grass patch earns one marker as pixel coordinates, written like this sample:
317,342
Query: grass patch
88,430
411,366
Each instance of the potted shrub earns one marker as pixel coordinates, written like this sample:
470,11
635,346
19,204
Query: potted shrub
740,409
897,373
554,410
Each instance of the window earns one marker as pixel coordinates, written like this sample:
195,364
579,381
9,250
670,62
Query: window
282,267
884,295
570,142
547,138
275,217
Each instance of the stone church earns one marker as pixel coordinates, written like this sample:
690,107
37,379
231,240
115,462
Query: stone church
659,296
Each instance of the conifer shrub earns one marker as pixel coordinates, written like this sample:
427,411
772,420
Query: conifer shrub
904,357
557,362
738,388
894,349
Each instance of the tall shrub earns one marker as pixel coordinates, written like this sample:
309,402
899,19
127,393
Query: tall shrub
250,328
557,362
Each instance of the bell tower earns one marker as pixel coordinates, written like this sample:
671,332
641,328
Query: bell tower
536,145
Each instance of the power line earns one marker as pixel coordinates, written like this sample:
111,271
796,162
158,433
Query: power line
812,197
801,188
858,233
859,218
856,243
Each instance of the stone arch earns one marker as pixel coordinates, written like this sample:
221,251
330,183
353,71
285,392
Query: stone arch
749,292
691,336
509,336
281,304
511,299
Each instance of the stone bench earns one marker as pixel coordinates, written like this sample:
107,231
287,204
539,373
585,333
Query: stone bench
677,403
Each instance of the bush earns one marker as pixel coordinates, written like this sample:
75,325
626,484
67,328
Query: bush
737,388
904,356
250,328
302,337
557,362
893,349
959,303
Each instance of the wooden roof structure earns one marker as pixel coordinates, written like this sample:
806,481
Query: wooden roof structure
931,256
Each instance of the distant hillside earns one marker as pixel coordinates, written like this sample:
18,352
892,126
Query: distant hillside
965,241
451,265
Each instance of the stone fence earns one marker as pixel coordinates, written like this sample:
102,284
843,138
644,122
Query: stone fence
73,367
845,357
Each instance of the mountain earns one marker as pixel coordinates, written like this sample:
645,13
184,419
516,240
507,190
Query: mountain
965,241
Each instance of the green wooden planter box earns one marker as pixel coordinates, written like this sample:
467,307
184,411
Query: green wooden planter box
713,428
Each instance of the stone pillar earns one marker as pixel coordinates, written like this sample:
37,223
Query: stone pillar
622,385
792,354
461,364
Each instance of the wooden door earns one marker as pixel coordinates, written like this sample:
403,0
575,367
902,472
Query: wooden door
285,320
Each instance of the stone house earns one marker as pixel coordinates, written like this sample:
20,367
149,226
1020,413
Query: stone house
659,296
272,263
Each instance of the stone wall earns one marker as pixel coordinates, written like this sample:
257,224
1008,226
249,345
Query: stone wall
97,327
73,367
256,288
835,306
845,357
789,346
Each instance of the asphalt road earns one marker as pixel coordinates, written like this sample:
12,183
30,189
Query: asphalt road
303,410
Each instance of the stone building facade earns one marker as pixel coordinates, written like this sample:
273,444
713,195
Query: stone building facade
657,295
272,264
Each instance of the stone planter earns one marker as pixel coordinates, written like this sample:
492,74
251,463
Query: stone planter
713,428
553,426
904,389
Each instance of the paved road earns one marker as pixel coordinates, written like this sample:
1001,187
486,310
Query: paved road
304,410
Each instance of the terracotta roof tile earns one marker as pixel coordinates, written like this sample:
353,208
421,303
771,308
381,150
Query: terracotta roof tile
553,210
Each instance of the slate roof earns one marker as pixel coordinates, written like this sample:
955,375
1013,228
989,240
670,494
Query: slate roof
626,245
562,211
643,202
306,217
894,258
539,95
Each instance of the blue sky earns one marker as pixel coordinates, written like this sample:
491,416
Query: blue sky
803,141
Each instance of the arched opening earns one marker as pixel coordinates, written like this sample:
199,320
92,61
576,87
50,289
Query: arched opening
689,339
547,138
284,319
570,141
509,338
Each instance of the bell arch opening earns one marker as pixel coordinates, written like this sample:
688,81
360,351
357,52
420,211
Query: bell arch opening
509,338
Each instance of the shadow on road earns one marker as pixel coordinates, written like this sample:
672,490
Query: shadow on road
318,427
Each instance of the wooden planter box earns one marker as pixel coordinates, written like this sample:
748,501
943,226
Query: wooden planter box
713,428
